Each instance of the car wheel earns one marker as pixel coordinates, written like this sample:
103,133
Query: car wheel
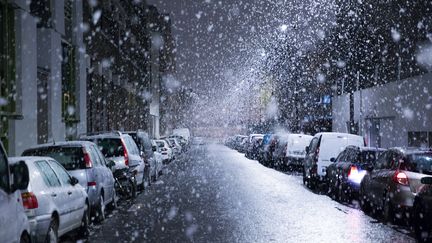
52,234
85,221
304,178
113,204
25,238
388,214
100,217
420,222
155,177
133,189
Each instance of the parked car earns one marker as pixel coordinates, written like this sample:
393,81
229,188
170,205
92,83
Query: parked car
183,132
268,150
253,147
321,149
262,149
55,202
175,145
279,150
235,142
295,150
346,172
182,141
392,184
241,144
122,149
84,161
14,223
422,211
166,151
153,162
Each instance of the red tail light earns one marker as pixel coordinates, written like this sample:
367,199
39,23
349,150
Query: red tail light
91,183
87,159
126,156
29,200
353,170
401,178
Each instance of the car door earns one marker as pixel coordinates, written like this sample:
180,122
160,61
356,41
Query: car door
57,192
105,174
376,185
96,172
135,158
73,202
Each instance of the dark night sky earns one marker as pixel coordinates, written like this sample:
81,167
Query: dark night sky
216,36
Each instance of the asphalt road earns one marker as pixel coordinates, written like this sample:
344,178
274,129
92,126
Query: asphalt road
215,194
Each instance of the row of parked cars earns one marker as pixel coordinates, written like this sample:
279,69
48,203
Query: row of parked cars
59,187
394,184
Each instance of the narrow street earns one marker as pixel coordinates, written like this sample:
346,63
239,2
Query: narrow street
215,194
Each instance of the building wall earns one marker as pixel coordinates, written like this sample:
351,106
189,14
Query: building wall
398,107
40,48
340,113
23,133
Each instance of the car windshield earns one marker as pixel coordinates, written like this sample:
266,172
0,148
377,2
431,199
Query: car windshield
111,147
72,158
419,162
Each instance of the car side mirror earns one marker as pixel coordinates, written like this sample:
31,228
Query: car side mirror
333,159
307,149
154,148
73,181
426,180
21,177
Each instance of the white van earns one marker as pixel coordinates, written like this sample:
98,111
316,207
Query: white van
322,148
295,151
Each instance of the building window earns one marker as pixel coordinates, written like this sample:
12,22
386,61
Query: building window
419,139
68,13
41,9
7,68
68,83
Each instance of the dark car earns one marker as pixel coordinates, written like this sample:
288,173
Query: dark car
253,147
422,211
346,172
263,149
153,167
392,184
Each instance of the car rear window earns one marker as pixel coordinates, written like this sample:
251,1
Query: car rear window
72,158
369,157
420,163
110,147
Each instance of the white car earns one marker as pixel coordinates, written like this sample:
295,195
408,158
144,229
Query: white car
56,202
295,150
175,145
321,149
165,150
183,132
14,224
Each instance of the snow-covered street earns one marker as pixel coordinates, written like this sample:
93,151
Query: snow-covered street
215,194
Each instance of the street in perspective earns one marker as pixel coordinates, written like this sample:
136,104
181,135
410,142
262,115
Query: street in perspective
215,121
